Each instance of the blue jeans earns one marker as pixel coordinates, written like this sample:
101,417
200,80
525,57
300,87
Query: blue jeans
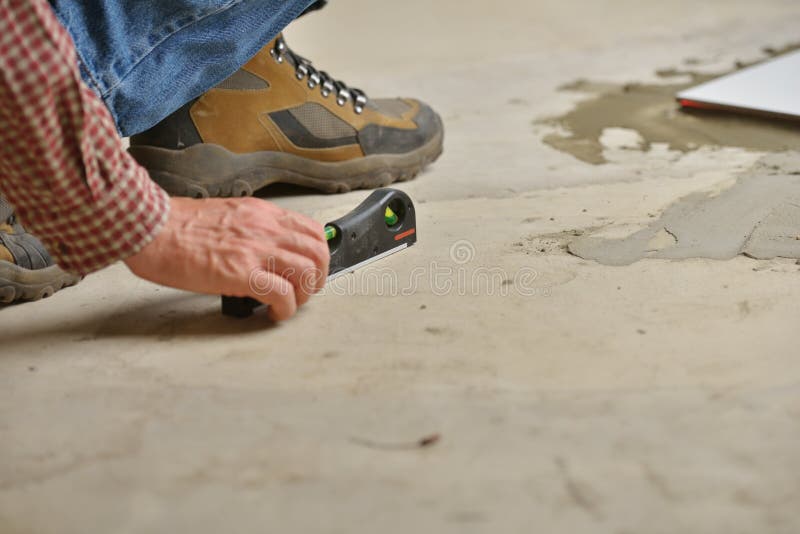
147,58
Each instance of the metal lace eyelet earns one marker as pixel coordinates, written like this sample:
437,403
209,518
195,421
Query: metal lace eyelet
358,109
344,96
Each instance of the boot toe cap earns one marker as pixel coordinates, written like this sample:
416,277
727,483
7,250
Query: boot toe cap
378,139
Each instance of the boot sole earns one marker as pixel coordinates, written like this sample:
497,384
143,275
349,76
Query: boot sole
209,170
18,283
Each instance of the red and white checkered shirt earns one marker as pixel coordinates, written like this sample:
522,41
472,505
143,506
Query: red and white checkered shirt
62,163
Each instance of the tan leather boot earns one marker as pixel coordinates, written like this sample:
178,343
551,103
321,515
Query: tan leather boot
27,271
279,119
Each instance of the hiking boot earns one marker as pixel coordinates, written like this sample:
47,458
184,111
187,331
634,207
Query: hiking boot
27,271
279,119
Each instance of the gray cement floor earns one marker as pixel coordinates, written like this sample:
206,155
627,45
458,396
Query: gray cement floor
659,396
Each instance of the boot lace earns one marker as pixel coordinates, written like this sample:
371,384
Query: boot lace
304,69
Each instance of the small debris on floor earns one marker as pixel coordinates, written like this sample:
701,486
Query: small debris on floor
422,443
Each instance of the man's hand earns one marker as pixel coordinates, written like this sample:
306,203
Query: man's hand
243,247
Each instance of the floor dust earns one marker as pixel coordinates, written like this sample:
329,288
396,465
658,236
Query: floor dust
651,110
759,216
549,243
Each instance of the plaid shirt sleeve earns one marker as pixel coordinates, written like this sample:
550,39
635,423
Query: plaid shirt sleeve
62,163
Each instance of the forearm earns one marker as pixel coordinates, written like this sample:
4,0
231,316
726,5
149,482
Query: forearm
62,163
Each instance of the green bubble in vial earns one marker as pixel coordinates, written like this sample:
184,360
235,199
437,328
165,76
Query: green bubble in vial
390,216
330,232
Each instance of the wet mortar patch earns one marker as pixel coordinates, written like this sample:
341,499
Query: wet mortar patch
759,216
651,110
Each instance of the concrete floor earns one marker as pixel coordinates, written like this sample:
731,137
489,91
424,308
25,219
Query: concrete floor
569,396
